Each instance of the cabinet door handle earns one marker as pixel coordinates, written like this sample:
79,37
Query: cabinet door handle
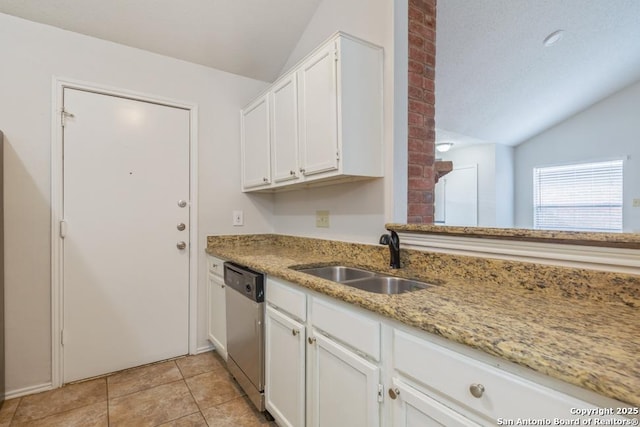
311,340
476,390
394,393
295,332
265,179
302,170
292,172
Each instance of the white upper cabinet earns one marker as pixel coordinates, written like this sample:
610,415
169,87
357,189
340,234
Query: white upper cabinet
324,121
284,129
255,144
318,96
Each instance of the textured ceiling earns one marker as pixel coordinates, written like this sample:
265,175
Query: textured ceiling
252,38
496,82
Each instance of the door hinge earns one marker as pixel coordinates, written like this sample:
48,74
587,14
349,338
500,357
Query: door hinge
380,393
63,229
63,115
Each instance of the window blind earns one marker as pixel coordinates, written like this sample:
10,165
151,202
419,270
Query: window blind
578,197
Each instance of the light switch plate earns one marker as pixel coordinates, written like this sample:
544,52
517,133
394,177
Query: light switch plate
636,203
238,218
322,219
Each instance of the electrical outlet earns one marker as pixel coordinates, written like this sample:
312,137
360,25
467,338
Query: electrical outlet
322,219
636,203
238,218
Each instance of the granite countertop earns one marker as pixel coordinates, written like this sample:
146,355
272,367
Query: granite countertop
581,238
576,325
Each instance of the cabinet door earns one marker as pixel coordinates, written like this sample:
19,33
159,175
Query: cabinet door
412,408
285,384
256,146
217,316
319,112
345,390
284,129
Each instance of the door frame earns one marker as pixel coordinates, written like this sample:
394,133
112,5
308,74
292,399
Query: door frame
57,295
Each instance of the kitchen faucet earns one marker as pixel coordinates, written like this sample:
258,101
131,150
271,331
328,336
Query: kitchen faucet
393,241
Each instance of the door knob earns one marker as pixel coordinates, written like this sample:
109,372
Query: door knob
182,203
181,226
181,245
394,393
311,340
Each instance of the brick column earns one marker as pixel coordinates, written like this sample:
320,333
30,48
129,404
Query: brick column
421,144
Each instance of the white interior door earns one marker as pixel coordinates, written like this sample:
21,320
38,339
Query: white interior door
125,282
459,194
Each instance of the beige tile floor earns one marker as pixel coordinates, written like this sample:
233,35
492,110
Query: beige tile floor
189,391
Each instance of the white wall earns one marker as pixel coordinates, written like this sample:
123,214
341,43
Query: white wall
505,185
358,210
495,180
607,130
31,55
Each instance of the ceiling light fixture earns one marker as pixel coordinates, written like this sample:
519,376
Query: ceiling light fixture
443,147
553,38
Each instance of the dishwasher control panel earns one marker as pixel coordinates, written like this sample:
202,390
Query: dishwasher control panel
244,280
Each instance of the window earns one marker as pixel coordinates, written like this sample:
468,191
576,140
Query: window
578,197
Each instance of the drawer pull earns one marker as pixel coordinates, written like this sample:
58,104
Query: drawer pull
311,340
394,393
476,390
295,332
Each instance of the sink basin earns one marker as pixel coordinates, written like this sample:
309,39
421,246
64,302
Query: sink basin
387,285
366,280
338,273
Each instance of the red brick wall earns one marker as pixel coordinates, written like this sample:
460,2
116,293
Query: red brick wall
421,144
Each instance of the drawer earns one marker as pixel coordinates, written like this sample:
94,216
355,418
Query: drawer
215,266
286,299
353,329
446,373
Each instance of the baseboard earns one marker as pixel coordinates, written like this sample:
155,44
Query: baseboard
28,390
205,348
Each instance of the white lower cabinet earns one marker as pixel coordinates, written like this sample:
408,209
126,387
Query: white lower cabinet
476,389
344,386
216,310
412,408
364,370
342,383
285,368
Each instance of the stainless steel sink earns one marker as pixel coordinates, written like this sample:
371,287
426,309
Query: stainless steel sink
366,280
338,273
388,285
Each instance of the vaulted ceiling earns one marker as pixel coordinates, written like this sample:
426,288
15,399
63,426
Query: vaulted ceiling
252,38
495,80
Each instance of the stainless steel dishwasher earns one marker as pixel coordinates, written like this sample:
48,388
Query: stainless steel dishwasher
244,295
